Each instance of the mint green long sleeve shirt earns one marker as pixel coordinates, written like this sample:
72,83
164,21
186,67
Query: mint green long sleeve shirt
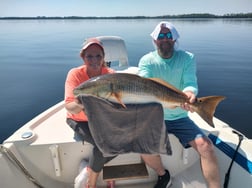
179,71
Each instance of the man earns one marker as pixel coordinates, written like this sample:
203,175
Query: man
178,67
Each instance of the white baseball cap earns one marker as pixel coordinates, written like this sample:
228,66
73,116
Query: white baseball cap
170,26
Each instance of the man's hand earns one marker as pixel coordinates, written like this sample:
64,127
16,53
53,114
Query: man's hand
186,106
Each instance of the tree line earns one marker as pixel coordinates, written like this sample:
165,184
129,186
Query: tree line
194,15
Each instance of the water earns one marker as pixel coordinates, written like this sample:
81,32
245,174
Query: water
35,56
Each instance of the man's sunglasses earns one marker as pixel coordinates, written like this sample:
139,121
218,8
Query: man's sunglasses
163,35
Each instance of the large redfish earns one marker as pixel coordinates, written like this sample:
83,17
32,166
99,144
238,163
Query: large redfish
126,88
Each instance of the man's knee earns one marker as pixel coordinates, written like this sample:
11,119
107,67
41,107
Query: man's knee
203,145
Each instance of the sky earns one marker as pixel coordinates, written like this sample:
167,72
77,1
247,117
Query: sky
106,8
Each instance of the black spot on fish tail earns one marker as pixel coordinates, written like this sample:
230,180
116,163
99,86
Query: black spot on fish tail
205,107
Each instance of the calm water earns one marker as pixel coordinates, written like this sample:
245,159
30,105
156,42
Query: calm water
35,56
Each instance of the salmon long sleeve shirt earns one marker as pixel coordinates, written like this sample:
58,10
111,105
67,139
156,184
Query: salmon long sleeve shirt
75,77
179,71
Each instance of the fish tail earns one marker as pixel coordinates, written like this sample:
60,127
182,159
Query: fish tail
206,107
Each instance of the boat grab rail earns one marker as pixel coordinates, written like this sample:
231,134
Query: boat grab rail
13,159
240,136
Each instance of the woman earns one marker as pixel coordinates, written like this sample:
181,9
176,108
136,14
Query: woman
92,54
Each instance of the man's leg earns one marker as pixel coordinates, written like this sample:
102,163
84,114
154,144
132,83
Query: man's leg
209,162
190,134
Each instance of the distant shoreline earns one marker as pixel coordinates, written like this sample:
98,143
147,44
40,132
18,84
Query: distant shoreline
203,15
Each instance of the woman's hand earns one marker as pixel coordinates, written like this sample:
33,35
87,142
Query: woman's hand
74,107
78,103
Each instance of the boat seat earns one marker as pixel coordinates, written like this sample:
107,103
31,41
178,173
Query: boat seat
115,51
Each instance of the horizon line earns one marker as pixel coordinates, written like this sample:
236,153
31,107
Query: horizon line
191,15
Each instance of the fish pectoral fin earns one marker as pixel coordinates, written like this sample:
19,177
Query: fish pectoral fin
118,98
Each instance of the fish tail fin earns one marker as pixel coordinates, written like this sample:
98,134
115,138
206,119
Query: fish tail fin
206,107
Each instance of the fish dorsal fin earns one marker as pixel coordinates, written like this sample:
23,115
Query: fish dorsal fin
164,83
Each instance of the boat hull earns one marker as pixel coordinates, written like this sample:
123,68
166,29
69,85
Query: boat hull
52,156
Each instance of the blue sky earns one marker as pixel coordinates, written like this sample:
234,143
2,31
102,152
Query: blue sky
121,7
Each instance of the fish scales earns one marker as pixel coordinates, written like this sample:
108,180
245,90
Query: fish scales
145,87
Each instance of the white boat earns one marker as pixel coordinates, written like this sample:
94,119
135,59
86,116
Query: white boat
44,152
